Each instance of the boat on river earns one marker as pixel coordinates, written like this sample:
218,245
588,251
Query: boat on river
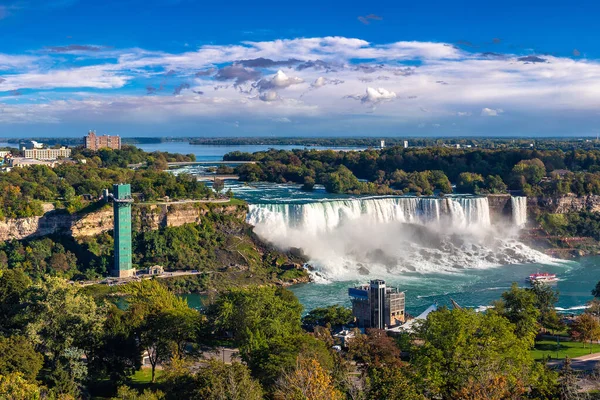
542,277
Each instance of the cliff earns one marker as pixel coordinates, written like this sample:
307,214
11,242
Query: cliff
144,217
564,204
500,207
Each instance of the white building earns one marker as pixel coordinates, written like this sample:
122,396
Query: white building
47,154
406,144
382,145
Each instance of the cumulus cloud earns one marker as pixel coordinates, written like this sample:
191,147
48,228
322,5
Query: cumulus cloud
278,81
490,112
374,96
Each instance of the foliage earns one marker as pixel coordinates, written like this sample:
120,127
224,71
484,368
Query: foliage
335,315
13,287
19,355
214,380
461,347
586,328
126,393
307,381
391,383
545,301
596,290
15,387
375,349
519,307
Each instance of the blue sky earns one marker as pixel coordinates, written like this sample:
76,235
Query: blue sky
191,68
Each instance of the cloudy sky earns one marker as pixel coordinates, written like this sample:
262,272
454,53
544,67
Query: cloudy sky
185,68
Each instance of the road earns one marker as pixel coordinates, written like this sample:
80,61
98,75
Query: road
581,363
184,163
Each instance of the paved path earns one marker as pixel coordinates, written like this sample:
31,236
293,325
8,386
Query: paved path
581,363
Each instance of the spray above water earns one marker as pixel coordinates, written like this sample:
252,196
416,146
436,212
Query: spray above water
345,239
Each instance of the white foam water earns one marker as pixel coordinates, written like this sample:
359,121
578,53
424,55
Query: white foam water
346,239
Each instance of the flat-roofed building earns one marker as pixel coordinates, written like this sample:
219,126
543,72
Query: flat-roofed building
47,154
95,142
375,305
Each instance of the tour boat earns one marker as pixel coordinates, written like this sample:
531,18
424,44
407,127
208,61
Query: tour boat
542,277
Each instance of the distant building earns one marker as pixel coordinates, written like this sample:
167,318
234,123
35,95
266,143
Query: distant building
4,153
382,144
406,144
376,306
26,162
47,154
95,142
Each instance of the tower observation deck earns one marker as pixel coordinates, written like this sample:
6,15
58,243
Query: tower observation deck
122,201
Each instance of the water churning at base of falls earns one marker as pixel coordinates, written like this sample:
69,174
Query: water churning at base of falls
348,238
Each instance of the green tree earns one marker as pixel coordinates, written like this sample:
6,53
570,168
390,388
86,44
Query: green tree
519,307
495,185
217,380
15,387
596,290
461,346
335,315
586,328
19,355
469,182
218,185
127,393
309,183
391,383
546,299
13,287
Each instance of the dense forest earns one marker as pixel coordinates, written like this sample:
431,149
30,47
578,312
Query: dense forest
428,170
59,342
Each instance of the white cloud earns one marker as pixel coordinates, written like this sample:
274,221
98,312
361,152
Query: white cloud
279,81
269,96
373,95
463,113
490,112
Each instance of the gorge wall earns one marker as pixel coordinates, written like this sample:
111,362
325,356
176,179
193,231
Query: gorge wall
144,217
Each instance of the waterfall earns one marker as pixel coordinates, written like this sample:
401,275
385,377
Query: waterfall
316,217
350,238
519,210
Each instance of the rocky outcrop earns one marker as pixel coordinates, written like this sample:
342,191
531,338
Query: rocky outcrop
566,204
144,217
500,207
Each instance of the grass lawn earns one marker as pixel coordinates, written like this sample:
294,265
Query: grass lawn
143,377
545,348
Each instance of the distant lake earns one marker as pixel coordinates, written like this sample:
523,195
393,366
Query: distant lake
205,152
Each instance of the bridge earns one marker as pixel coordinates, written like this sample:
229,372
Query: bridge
211,178
188,163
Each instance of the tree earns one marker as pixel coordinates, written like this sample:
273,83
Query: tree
13,286
218,185
495,185
307,381
586,328
519,307
391,383
60,322
375,349
469,182
461,347
335,315
15,387
596,290
218,380
18,355
309,183
165,322
567,382
546,298
127,393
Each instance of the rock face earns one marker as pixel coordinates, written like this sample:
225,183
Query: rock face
500,207
566,204
144,218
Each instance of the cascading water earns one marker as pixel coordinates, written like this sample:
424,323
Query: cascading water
390,235
519,210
